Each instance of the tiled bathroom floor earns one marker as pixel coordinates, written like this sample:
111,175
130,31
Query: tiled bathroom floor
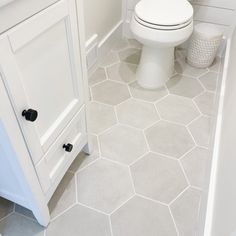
151,150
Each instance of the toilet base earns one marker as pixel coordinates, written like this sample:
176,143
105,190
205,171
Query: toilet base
156,67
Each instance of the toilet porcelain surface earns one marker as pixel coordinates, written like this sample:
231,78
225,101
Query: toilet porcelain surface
160,25
164,12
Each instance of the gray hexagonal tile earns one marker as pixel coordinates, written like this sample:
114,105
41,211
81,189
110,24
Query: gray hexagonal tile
64,196
122,72
139,217
185,69
216,65
104,185
130,55
19,225
196,164
121,45
110,92
205,103
169,139
177,109
185,211
83,160
180,53
201,130
158,177
98,76
82,221
184,86
6,207
209,80
101,117
109,59
137,113
145,94
123,144
135,44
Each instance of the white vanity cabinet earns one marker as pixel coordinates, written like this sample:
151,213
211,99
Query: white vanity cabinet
43,71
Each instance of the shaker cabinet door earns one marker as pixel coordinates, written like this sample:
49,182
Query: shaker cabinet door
40,64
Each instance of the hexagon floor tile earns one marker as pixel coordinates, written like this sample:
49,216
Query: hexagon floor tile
122,72
137,113
178,109
169,139
147,95
184,68
130,55
110,92
201,130
18,225
139,217
196,164
209,80
185,211
123,144
205,103
64,196
184,86
98,76
158,178
101,117
104,185
80,220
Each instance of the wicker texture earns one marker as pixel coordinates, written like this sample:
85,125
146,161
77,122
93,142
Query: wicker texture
202,49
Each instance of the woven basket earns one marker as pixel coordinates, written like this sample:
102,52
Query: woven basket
204,45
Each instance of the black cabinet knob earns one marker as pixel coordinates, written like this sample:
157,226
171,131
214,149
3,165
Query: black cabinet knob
68,147
30,115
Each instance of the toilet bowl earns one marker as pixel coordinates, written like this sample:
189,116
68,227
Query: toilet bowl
160,25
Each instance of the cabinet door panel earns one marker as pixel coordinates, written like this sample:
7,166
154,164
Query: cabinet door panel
43,56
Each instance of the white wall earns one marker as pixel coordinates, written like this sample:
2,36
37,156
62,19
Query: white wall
101,16
219,12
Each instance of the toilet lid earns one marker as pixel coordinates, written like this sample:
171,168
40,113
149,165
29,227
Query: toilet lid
164,12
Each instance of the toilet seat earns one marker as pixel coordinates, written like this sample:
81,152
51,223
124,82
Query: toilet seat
162,27
164,14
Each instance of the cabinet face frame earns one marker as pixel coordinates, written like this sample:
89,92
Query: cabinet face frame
16,39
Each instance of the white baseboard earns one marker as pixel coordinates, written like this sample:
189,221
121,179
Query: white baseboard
97,50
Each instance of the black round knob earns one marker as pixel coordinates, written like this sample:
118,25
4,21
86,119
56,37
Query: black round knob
30,115
68,147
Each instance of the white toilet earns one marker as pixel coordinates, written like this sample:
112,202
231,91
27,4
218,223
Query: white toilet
160,25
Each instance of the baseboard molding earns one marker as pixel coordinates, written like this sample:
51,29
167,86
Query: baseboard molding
95,50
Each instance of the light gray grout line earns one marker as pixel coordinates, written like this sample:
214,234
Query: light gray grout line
185,154
139,158
3,218
151,199
63,212
98,83
191,136
89,164
132,179
185,174
93,209
26,217
107,129
195,119
110,224
121,205
197,188
184,190
173,219
164,155
114,162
